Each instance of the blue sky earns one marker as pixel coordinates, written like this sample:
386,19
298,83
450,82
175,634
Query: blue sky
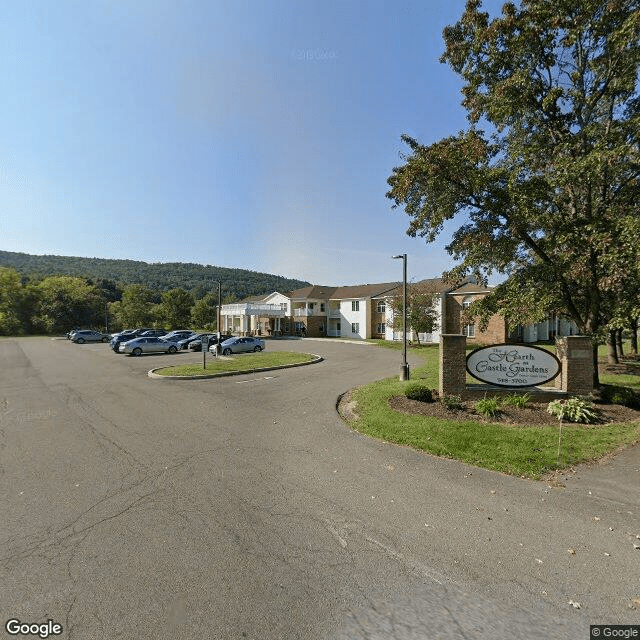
256,135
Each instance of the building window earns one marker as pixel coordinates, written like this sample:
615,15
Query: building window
355,327
355,305
338,325
311,305
321,307
286,327
466,303
381,328
321,328
382,307
469,330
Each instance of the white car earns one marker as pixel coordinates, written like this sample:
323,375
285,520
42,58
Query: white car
138,346
86,335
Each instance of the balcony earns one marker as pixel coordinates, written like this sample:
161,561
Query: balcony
299,313
304,312
249,309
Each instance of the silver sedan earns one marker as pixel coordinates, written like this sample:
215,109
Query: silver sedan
241,345
138,346
89,336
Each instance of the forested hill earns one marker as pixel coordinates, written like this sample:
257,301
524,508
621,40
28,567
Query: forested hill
197,278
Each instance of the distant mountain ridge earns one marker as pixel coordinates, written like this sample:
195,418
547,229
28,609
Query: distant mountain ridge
163,276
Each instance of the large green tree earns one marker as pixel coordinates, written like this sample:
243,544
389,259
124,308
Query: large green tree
136,309
422,312
204,312
175,308
16,300
64,302
545,181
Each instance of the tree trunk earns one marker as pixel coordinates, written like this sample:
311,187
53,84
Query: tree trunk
612,350
634,336
596,375
619,343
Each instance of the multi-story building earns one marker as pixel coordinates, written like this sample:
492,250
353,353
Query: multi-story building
315,311
366,311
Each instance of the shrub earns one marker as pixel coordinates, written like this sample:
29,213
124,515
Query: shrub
573,410
488,407
513,400
418,391
452,402
620,395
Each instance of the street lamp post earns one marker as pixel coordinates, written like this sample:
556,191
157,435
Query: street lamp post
404,367
219,319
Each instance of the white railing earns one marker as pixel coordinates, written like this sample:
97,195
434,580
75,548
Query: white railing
333,313
333,333
248,309
300,312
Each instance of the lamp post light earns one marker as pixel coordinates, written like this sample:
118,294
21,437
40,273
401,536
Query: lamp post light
219,319
404,367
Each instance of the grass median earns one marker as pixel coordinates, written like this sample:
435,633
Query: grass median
240,362
517,450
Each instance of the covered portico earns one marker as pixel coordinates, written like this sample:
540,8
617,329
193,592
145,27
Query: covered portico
250,318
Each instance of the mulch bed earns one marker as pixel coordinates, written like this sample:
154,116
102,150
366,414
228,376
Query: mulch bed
534,414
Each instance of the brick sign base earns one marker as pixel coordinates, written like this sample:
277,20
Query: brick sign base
576,376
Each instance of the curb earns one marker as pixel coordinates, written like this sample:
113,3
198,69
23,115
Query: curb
222,374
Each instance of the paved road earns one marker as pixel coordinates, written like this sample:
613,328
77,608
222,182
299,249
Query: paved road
244,508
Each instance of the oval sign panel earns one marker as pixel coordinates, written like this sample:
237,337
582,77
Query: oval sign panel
513,365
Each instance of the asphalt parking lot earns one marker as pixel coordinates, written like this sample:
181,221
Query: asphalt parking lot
245,508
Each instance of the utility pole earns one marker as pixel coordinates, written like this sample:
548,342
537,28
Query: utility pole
404,367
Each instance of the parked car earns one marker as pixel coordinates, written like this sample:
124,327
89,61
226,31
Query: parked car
132,333
196,344
241,345
178,334
87,335
138,346
187,341
118,338
153,333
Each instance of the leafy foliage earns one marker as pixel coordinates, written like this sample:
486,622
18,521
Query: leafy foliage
175,308
422,314
573,410
199,279
488,407
137,307
516,400
203,312
418,391
62,302
452,403
548,196
620,395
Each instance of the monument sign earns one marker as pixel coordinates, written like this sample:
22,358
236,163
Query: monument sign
509,365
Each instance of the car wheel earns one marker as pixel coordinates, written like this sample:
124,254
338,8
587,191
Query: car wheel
257,348
80,340
226,352
137,352
172,349
105,339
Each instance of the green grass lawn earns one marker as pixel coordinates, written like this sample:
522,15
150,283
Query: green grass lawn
517,450
240,362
